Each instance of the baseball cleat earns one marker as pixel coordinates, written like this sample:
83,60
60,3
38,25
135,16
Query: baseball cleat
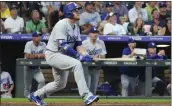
36,99
90,100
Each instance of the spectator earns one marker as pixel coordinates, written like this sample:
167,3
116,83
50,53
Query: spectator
54,17
124,23
98,7
7,84
108,10
35,24
138,28
137,12
2,29
5,13
156,82
121,10
166,30
155,30
150,6
168,8
101,26
14,24
112,28
163,13
89,18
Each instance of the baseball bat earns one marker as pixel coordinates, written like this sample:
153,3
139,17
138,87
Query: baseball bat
114,59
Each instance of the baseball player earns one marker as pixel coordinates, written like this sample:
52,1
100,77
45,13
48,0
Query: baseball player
129,75
7,84
156,82
96,48
34,49
63,55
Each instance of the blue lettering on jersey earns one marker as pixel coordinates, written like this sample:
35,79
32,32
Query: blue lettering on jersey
94,51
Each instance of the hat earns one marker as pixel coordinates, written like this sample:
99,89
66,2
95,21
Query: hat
131,40
109,4
110,15
162,4
88,2
152,45
13,7
93,30
36,34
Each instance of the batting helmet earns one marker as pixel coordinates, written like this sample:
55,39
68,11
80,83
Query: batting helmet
68,9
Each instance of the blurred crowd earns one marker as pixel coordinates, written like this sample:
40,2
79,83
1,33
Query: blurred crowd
148,18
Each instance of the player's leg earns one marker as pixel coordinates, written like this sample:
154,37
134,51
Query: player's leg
39,77
169,89
125,85
87,76
28,73
60,80
141,88
159,85
133,81
66,63
6,95
95,74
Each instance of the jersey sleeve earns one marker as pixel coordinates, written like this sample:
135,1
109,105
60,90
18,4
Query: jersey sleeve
60,31
28,26
27,48
82,20
10,79
107,30
125,52
103,49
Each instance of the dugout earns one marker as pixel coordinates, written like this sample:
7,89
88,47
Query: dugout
11,50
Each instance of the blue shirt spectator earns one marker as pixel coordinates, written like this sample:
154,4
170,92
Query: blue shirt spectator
108,10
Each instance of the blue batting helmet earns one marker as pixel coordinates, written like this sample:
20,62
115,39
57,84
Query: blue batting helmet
68,9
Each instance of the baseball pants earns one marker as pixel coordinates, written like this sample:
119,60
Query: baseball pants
61,65
92,75
28,75
6,95
128,85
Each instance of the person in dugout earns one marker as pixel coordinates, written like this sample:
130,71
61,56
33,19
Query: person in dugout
129,75
157,83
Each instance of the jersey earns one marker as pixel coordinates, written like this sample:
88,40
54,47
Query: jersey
30,48
6,81
65,31
130,71
97,49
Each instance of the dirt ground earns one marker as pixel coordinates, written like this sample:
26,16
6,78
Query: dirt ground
95,104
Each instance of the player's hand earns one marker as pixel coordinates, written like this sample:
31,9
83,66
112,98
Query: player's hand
162,52
132,54
86,58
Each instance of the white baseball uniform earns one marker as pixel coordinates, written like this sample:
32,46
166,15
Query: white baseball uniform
6,81
62,63
92,74
33,72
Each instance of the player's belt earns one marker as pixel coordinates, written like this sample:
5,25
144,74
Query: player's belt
52,51
3,92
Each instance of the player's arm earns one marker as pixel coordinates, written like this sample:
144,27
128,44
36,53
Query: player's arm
27,52
125,54
42,55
